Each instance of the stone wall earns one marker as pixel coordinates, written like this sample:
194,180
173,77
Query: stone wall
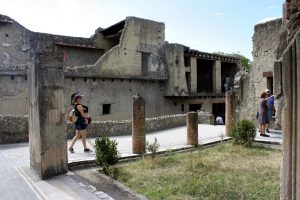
139,36
118,93
13,129
176,84
246,101
265,42
13,95
112,128
249,86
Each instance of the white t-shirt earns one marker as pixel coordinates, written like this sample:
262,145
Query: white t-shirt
219,120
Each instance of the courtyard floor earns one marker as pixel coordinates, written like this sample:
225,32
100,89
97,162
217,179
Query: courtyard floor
17,181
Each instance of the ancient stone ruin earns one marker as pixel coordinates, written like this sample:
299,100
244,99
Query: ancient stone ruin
127,58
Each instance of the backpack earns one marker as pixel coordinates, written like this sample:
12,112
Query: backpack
72,116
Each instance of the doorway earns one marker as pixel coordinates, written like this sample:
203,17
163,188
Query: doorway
218,109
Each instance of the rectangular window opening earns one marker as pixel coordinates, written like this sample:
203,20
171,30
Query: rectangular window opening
106,109
145,62
195,107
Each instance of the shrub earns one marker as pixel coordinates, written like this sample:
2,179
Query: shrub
243,133
152,147
106,151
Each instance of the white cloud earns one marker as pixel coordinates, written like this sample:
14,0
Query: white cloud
268,19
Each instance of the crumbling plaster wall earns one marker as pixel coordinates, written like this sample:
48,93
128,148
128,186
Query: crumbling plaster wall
118,93
246,103
249,86
80,56
265,43
100,41
15,44
13,95
176,84
15,51
139,35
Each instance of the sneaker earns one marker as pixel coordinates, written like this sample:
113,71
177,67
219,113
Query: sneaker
86,150
71,150
267,130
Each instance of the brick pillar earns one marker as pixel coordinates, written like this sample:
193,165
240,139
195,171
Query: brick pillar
192,128
138,125
229,112
47,133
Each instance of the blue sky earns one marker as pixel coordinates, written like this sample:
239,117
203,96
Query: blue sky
205,25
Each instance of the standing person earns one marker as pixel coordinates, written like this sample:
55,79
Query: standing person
82,122
270,100
263,114
219,120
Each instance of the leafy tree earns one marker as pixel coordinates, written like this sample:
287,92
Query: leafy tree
245,62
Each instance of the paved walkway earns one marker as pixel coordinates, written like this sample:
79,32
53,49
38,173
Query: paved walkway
17,181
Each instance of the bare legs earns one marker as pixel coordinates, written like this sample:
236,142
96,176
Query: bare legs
83,135
79,133
263,130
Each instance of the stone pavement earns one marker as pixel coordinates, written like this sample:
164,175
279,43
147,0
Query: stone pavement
17,181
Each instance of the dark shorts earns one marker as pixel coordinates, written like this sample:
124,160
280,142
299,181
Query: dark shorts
80,124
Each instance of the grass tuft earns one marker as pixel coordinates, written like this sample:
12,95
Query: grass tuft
225,171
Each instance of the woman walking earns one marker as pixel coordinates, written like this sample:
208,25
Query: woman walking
263,114
83,119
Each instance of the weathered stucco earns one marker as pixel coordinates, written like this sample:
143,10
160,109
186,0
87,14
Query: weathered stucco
129,57
176,84
265,43
118,93
249,86
138,36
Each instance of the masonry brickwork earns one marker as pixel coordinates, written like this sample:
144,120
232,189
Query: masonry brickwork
138,125
192,128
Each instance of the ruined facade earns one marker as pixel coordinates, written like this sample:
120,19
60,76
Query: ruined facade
249,86
127,58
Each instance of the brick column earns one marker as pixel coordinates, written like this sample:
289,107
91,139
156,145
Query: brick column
138,125
229,112
47,133
194,75
192,128
217,82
